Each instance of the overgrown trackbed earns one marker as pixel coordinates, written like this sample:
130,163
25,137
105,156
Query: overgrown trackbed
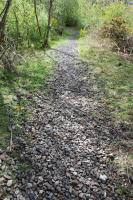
71,133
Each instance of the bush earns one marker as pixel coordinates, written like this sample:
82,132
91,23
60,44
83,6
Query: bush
117,24
118,32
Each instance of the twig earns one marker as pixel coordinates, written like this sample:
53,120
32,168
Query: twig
11,141
8,111
127,168
50,57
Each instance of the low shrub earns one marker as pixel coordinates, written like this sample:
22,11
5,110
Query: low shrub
118,31
117,24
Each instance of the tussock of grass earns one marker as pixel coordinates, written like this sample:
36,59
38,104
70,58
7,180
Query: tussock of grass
116,73
30,77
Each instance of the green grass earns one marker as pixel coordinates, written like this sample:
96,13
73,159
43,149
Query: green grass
123,190
30,77
116,74
34,72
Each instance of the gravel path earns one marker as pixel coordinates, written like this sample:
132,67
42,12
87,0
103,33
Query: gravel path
70,133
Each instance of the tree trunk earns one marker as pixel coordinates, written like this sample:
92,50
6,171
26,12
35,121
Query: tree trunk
37,20
3,16
17,27
46,43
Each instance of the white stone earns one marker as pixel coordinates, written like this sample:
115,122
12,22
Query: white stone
41,191
40,178
57,183
81,195
103,177
75,173
9,183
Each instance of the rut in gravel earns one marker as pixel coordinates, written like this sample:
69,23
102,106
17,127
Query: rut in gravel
71,133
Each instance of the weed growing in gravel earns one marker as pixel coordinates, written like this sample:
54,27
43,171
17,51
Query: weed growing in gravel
24,167
124,191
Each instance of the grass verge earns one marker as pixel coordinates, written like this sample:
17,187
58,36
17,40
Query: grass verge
17,89
114,73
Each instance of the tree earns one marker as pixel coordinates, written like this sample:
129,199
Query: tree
46,43
3,17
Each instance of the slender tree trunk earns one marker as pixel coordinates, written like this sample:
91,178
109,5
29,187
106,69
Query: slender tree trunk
3,18
46,43
37,20
26,26
17,26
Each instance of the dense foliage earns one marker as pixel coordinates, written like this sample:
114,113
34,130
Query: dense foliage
27,19
21,22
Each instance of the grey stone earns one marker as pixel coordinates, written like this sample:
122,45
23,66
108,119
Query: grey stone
29,185
81,195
